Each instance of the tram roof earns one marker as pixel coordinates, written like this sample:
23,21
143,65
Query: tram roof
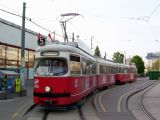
103,61
68,47
126,65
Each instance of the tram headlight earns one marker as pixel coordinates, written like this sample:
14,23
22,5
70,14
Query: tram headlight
47,89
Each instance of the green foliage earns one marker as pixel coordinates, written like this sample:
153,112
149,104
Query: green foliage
118,57
139,64
97,52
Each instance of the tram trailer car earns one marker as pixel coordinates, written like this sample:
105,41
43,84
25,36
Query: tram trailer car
105,73
67,87
133,73
126,73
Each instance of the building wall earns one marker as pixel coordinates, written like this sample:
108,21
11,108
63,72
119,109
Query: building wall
11,34
10,50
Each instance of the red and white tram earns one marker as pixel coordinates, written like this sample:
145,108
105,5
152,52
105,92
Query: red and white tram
72,84
65,74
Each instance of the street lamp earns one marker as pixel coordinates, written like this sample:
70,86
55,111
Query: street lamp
92,41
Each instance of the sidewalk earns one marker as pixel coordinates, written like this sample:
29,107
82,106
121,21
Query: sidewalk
14,108
151,101
143,78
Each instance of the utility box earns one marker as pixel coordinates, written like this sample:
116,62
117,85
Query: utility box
10,77
154,75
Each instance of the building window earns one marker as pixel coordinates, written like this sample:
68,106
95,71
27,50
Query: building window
10,57
2,63
11,53
31,56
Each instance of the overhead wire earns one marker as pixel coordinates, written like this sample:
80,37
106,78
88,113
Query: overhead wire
156,8
30,20
147,20
10,13
149,17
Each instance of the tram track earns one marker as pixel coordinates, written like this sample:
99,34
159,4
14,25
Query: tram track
142,105
77,112
44,114
139,94
29,109
80,112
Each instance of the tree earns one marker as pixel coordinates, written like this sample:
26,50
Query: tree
139,64
118,57
97,52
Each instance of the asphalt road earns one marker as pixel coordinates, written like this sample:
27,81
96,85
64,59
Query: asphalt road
112,102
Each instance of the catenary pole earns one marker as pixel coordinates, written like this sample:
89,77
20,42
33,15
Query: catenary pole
22,69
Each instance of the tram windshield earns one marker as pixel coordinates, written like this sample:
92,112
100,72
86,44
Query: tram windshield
50,67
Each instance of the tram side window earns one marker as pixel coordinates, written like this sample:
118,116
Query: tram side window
88,66
116,70
85,69
120,70
107,69
130,70
102,69
113,70
93,68
75,66
134,70
125,70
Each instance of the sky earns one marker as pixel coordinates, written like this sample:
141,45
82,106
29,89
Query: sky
131,27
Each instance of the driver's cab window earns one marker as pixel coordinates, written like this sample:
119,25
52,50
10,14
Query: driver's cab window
59,67
51,67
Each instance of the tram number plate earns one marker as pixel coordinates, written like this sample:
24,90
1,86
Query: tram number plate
48,102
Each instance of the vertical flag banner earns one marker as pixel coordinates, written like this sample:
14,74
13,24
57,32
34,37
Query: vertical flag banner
49,38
